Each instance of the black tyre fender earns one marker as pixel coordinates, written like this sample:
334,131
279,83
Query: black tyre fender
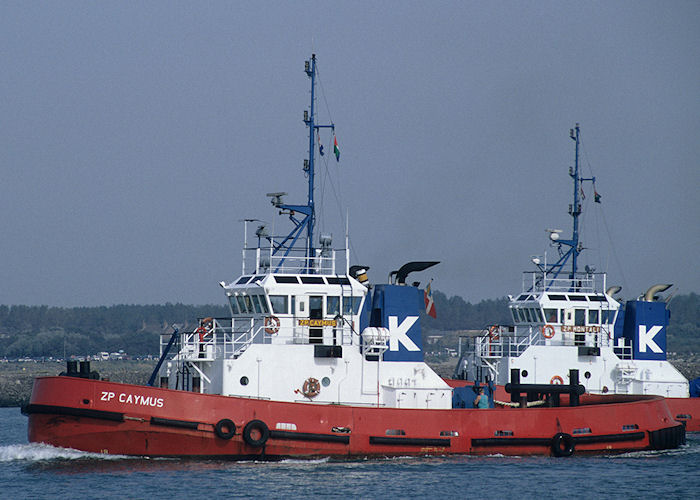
225,428
256,426
562,445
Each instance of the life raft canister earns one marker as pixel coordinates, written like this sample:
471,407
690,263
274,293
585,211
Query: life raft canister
272,324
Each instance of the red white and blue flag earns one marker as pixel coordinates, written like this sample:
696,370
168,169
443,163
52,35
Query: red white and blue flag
429,304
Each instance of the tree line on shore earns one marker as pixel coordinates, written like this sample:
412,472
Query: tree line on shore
43,331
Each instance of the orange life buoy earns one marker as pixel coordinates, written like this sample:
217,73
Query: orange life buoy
311,388
202,333
272,324
557,380
548,331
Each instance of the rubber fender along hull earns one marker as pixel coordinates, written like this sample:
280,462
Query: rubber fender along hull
106,417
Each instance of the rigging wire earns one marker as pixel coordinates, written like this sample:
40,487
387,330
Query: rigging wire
600,210
327,178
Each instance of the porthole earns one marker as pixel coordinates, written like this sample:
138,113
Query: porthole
325,381
524,373
587,375
244,380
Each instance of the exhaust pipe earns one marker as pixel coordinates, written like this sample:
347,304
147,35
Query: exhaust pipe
649,296
613,290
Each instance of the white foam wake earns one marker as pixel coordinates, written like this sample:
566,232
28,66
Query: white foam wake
35,452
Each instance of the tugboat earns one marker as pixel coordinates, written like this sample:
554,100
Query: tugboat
564,318
315,360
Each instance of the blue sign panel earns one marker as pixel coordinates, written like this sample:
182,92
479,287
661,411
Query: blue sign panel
398,308
645,327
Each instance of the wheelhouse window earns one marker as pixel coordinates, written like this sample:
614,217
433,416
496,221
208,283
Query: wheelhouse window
593,317
351,305
234,305
550,316
332,306
241,304
580,317
280,304
256,304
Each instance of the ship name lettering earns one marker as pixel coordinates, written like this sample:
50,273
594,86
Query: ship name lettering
137,399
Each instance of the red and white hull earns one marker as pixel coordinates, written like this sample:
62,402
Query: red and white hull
106,417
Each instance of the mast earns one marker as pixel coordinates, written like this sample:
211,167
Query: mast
308,210
575,210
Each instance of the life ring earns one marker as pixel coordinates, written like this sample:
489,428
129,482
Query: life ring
256,433
493,333
272,325
557,380
548,331
203,332
311,388
225,428
562,445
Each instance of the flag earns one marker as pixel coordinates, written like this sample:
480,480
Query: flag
596,196
429,304
336,151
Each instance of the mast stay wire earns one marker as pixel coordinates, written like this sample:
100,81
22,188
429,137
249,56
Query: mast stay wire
601,210
327,177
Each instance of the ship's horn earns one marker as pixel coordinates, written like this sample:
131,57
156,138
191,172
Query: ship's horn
613,290
649,296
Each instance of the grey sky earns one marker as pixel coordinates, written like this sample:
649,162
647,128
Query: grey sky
135,135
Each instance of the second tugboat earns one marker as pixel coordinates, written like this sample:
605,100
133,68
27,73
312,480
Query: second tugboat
566,318
316,361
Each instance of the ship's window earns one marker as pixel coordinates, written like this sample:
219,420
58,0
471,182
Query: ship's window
338,280
556,297
332,306
550,315
279,304
242,279
605,316
351,305
263,304
516,318
395,432
312,280
597,298
258,278
286,279
234,306
578,298
580,317
256,304
241,304
537,314
593,317
521,313
294,304
527,315
248,303
522,297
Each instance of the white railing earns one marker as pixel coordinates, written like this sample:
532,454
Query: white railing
536,281
261,261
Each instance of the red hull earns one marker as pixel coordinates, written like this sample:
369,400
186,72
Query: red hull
106,417
684,410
